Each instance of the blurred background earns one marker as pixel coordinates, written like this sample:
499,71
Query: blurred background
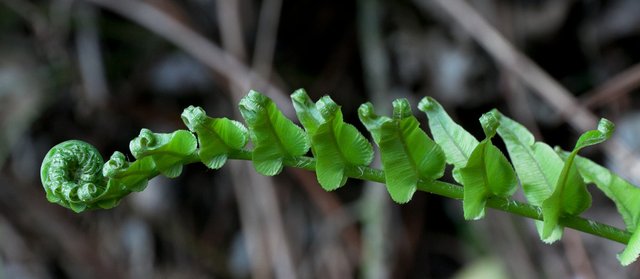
100,70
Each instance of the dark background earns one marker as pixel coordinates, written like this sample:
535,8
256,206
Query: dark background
101,70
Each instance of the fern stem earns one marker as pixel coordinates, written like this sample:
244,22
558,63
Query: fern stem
455,191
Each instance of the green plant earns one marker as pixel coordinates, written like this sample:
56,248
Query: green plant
73,173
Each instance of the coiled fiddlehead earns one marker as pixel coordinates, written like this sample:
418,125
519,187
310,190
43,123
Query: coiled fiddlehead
553,181
71,174
75,176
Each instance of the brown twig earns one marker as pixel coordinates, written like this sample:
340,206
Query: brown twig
507,56
198,46
333,212
243,180
613,88
54,233
517,98
533,76
577,255
231,29
90,56
537,79
46,32
262,217
266,37
514,91
376,210
254,230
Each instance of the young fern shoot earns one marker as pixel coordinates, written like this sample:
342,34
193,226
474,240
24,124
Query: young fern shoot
75,176
217,137
487,173
625,195
537,165
274,136
336,145
570,196
408,154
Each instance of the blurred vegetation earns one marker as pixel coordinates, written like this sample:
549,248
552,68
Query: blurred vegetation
88,70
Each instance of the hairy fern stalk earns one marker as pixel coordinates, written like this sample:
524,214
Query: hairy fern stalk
75,176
